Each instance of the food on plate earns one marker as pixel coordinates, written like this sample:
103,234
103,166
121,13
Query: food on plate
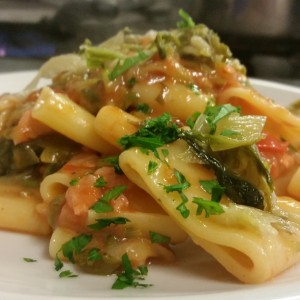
129,148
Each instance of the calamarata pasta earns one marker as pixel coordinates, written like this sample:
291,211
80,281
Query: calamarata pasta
144,141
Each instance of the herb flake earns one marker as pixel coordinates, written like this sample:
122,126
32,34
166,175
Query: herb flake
130,277
105,222
28,259
75,246
103,205
152,167
159,238
209,207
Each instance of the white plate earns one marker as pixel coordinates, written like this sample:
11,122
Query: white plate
194,276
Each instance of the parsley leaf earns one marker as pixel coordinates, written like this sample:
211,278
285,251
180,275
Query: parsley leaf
58,264
181,185
192,119
74,181
159,238
129,276
67,274
184,211
113,161
210,207
152,166
94,254
128,63
144,108
215,113
100,182
105,222
165,152
103,205
154,133
75,246
214,188
194,88
27,259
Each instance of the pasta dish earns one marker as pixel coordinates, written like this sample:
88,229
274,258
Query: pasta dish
128,148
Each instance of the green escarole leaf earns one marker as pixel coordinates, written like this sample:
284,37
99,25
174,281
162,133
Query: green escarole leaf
186,20
129,62
224,128
97,56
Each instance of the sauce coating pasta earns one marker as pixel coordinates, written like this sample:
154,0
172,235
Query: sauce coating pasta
148,140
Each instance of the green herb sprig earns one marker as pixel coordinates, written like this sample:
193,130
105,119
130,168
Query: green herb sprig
182,184
154,133
130,277
105,222
103,205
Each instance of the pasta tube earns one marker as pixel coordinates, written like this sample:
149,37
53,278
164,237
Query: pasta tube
243,239
66,117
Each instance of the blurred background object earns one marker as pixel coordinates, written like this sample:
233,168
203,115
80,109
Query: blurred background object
263,34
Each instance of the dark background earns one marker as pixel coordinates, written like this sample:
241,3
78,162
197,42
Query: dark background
264,35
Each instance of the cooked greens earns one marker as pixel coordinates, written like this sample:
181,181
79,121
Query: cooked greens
220,148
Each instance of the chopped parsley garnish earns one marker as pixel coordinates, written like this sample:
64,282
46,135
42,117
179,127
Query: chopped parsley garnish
128,63
214,188
165,152
105,222
192,119
210,207
67,274
186,20
27,259
100,182
154,133
184,211
94,254
114,162
159,238
69,249
144,108
130,277
74,181
75,246
152,167
215,113
58,264
103,205
181,185
194,88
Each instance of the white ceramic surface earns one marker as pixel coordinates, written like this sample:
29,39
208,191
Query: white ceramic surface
194,276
